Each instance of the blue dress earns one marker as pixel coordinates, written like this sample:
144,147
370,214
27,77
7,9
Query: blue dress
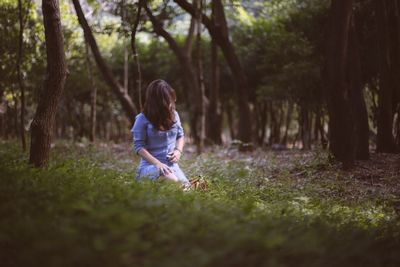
159,144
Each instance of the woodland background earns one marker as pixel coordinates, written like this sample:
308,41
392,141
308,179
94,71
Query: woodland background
291,114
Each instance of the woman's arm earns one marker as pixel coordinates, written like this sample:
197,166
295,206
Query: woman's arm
177,153
164,169
180,141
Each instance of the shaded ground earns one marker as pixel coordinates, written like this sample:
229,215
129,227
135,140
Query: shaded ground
311,171
265,208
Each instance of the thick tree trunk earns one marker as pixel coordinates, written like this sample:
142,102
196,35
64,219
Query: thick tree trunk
43,121
387,83
124,98
219,33
214,113
341,122
357,97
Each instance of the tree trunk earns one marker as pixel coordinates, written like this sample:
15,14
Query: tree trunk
261,114
387,84
341,127
397,126
118,90
201,103
93,96
275,135
20,78
305,127
43,121
126,67
287,123
357,97
219,33
228,109
214,115
136,54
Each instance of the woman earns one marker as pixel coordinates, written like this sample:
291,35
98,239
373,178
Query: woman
158,135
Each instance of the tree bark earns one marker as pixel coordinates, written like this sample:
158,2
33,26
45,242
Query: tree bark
357,97
219,33
228,109
136,54
341,127
287,123
20,78
262,119
214,120
123,96
305,127
43,121
201,103
93,96
387,83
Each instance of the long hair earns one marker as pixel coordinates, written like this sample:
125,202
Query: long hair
159,107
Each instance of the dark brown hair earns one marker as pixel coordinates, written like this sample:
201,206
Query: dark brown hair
159,107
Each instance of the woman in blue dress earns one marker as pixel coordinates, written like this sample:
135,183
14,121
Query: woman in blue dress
158,135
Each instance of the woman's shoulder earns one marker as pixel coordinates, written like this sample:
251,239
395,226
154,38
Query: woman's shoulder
140,120
141,116
176,113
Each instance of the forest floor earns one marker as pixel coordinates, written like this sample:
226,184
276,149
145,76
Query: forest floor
313,171
261,208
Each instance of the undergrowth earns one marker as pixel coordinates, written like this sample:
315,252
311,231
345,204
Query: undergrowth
86,209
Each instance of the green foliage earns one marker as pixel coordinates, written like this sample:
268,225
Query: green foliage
87,210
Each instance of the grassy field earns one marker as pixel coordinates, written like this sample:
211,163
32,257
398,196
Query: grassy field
266,208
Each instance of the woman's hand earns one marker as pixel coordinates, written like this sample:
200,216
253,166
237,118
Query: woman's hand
163,168
174,156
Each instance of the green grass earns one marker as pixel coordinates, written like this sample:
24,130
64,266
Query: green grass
87,210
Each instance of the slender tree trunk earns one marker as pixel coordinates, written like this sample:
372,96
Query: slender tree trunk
318,130
219,33
275,127
263,118
228,109
93,96
43,121
200,78
289,114
305,127
20,78
341,127
136,53
397,126
123,97
126,67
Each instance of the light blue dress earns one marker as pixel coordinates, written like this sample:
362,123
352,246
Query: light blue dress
158,143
